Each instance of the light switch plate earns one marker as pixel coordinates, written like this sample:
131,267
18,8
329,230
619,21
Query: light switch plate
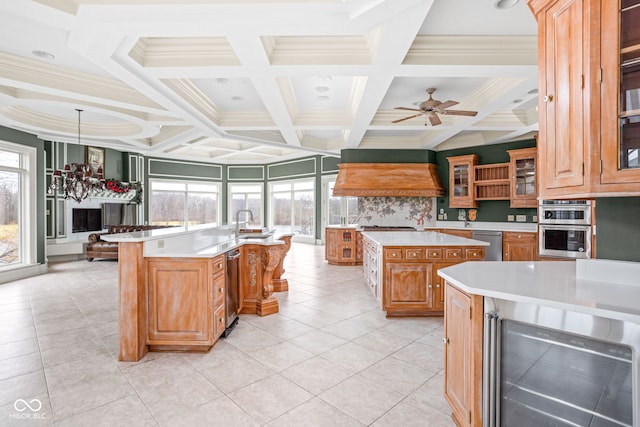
535,218
440,217
521,218
510,218
160,244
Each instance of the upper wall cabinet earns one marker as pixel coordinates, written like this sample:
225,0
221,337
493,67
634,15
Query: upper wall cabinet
461,177
522,175
589,61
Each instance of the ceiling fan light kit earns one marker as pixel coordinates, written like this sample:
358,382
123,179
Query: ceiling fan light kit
431,108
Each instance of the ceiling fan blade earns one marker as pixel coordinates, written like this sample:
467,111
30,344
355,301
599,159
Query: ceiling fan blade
434,119
406,118
408,109
447,104
459,113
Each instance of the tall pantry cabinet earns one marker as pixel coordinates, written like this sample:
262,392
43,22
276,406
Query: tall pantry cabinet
589,82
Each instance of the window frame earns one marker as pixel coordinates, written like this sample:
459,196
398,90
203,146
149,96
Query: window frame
27,203
230,216
186,182
292,182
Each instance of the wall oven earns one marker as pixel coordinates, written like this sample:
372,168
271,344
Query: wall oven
554,367
565,228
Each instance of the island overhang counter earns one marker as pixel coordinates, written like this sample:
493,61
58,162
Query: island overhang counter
400,268
172,287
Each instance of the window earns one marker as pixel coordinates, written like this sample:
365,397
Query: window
339,210
17,205
184,203
292,208
246,196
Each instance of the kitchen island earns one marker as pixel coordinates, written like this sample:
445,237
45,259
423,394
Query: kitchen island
569,335
172,286
401,268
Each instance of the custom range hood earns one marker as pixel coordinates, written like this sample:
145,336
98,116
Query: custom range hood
388,180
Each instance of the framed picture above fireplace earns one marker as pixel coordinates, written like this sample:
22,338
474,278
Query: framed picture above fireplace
95,159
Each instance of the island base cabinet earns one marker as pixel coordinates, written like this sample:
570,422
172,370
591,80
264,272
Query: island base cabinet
463,327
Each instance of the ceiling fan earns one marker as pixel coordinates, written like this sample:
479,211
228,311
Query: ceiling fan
432,107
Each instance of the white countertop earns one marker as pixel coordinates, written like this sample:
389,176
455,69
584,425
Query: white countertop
195,242
472,225
419,238
603,288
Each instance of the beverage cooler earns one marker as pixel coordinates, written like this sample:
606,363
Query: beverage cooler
550,367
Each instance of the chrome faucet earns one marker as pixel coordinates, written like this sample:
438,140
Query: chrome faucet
238,219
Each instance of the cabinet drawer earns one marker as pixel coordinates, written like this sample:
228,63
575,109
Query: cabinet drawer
218,291
217,265
218,322
454,254
474,253
434,253
393,253
414,253
520,237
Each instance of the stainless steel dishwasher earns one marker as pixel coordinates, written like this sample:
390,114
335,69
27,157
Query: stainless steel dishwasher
231,306
494,238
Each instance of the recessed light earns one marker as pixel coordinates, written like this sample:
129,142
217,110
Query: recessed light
43,54
237,98
517,101
321,89
505,4
533,91
324,98
324,78
222,80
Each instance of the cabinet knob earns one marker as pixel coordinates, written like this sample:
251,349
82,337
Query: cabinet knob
455,254
414,254
437,286
434,254
221,320
430,286
220,265
445,340
475,254
220,290
548,98
393,253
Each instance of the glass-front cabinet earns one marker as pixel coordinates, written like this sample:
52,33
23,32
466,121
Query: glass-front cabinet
461,172
621,92
523,183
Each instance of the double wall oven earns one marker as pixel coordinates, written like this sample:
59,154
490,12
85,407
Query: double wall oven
565,228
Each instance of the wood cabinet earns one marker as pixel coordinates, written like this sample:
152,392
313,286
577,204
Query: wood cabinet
519,246
186,300
372,261
522,176
411,286
463,328
454,232
589,139
461,177
342,246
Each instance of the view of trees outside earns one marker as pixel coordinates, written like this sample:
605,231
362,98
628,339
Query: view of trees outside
338,207
9,208
244,196
181,203
293,207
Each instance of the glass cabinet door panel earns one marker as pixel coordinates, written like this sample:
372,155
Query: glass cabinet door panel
629,137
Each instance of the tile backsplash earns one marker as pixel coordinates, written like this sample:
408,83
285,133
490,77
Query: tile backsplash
396,211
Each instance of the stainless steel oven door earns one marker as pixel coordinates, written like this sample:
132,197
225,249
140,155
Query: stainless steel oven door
565,241
565,214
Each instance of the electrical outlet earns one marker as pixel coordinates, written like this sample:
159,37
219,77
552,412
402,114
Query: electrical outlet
521,218
440,217
535,218
445,216
160,244
441,210
510,218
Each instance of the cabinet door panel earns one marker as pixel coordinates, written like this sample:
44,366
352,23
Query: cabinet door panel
407,284
179,302
562,115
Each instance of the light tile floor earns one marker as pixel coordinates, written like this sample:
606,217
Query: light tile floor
329,358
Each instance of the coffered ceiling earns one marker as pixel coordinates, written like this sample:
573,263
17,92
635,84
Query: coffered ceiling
252,81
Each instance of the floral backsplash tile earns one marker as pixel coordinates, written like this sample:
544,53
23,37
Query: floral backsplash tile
396,211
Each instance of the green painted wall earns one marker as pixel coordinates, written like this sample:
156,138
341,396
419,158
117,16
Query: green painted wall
488,210
618,228
387,156
22,138
179,169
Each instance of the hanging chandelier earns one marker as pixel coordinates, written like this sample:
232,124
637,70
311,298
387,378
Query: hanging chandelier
76,180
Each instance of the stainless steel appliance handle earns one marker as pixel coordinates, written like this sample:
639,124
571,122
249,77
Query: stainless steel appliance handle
497,361
489,370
